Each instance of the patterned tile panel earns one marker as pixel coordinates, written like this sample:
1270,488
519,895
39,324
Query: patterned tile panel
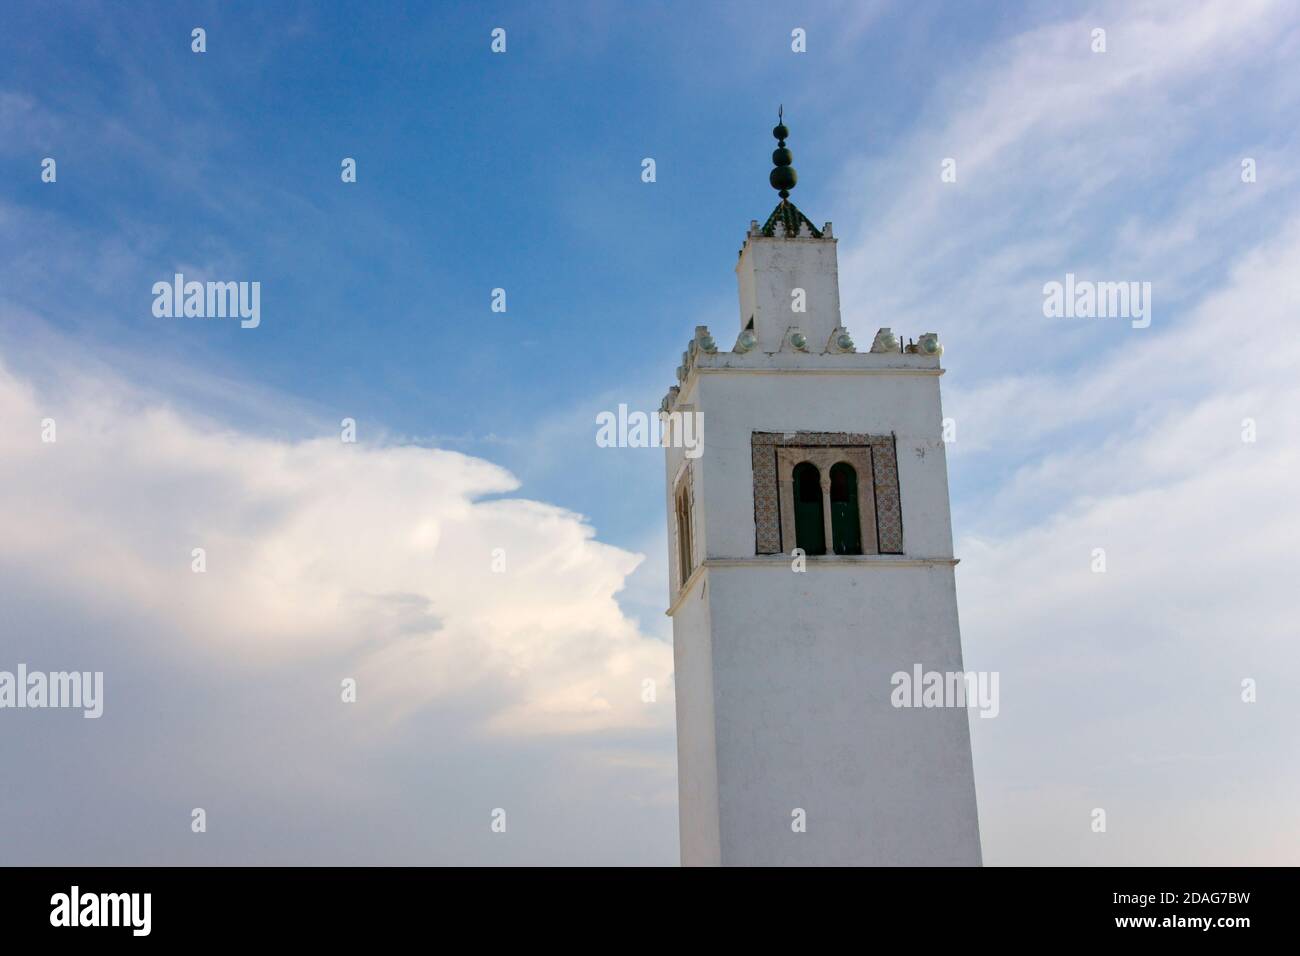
889,509
767,507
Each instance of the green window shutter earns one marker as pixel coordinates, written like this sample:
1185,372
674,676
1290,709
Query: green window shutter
846,526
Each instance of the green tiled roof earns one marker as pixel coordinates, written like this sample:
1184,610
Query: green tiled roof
787,215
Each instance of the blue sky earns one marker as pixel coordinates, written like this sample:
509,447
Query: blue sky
476,171
516,171
523,171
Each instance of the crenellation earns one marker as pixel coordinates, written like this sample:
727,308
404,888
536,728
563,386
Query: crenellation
885,341
840,341
837,353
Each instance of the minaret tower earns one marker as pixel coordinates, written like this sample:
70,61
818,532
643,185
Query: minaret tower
811,551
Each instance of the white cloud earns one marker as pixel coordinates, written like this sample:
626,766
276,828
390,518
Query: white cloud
1122,689
325,560
321,547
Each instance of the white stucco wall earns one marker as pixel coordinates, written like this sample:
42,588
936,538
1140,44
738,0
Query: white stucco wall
801,668
697,765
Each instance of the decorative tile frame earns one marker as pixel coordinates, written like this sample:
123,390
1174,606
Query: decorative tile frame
888,512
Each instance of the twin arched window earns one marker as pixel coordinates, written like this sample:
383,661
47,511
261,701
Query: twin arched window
810,509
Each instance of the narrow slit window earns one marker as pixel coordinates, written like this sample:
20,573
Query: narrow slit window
684,535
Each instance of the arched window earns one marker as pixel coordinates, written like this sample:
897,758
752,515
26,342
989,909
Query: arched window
684,549
846,527
809,517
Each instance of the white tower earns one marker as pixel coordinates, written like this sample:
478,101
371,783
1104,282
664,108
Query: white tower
790,747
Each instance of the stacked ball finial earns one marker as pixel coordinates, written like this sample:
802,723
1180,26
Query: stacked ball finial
783,177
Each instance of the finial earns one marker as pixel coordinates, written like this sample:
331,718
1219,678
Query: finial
783,177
